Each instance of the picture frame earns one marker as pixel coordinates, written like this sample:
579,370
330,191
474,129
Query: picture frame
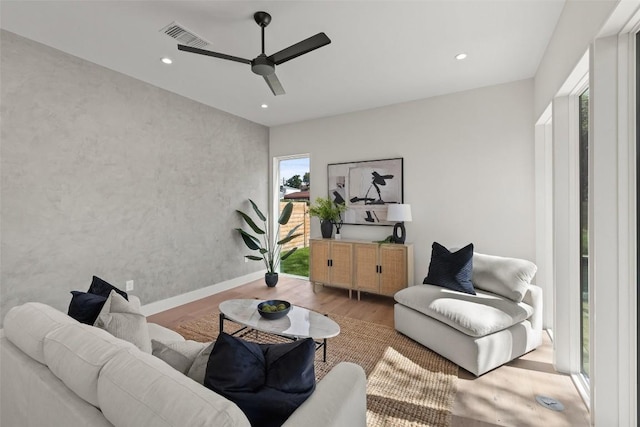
366,188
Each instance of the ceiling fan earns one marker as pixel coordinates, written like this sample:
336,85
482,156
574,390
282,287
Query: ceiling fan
262,64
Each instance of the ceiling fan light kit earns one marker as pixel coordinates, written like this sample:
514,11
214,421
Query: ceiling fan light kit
264,65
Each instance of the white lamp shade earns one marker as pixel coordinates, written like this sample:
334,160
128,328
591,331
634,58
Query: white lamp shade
399,212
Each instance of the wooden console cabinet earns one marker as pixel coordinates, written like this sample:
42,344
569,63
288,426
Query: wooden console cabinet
331,263
361,266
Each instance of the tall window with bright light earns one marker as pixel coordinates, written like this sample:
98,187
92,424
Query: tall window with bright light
584,231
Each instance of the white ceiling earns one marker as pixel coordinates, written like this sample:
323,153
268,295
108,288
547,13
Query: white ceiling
382,52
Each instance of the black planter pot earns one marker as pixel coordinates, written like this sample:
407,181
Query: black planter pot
271,279
326,228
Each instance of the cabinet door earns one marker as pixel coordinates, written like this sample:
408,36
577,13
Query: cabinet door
366,275
393,261
341,265
318,258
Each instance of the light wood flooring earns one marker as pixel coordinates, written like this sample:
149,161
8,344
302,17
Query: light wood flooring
502,397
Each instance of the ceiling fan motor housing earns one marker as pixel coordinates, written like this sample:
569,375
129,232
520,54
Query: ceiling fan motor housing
262,66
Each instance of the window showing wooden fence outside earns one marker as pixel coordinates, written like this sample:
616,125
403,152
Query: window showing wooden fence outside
300,215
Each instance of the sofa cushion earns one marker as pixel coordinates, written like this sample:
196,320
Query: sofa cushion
451,270
508,277
85,307
139,390
267,381
199,366
103,288
474,315
26,326
123,319
160,333
76,353
180,355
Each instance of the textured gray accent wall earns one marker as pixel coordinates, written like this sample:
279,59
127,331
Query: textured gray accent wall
104,174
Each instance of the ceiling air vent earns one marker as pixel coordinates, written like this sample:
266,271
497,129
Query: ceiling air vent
183,35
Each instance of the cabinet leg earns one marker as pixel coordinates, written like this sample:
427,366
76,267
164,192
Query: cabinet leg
358,295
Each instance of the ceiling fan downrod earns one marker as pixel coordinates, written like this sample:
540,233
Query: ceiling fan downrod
262,19
261,65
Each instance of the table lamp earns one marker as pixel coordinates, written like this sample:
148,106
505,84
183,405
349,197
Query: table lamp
400,213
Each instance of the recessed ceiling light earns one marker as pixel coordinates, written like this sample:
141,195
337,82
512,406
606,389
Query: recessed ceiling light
166,60
264,106
461,56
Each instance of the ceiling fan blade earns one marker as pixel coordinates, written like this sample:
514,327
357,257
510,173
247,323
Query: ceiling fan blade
274,84
300,48
214,54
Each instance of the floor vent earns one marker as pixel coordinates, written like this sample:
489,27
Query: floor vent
550,403
184,36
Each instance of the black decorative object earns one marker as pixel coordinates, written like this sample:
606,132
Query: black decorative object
326,228
338,225
399,233
271,279
366,189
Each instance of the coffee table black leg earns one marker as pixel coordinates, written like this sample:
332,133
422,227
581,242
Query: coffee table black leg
324,350
221,322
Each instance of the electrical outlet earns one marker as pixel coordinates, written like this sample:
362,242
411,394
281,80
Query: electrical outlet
129,285
246,259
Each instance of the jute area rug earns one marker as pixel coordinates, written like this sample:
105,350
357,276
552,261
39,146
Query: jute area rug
407,384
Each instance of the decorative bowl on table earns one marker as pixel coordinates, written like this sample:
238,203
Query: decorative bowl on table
274,309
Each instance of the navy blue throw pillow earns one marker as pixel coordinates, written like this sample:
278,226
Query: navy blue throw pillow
236,365
100,287
85,307
451,270
267,381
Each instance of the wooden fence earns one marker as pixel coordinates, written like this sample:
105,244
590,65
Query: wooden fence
300,215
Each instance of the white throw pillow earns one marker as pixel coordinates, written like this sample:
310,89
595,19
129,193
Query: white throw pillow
123,319
508,277
199,367
180,355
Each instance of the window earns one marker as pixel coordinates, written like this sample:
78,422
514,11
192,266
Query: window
294,185
583,119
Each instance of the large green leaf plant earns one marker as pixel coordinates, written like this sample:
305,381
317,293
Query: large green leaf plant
268,246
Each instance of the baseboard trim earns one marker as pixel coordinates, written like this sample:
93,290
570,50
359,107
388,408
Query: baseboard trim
178,300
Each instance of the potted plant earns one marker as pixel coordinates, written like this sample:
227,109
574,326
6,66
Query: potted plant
329,214
268,246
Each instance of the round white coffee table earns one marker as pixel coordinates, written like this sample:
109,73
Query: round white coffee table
299,323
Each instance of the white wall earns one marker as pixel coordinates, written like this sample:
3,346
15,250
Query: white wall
468,166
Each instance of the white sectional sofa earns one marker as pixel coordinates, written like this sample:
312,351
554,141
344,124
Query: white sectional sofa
55,371
478,332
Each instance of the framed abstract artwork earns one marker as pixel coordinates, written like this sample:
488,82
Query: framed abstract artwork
366,188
